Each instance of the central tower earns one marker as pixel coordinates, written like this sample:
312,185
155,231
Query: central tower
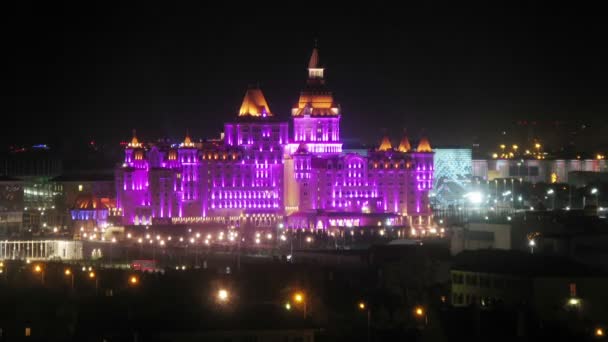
316,117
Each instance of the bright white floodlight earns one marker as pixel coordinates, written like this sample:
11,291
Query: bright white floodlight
474,197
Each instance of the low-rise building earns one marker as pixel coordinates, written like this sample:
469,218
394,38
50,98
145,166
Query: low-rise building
548,285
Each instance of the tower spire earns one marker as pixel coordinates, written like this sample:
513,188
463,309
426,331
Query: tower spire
314,64
134,142
187,140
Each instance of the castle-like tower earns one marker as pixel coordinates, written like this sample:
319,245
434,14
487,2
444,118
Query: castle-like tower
257,173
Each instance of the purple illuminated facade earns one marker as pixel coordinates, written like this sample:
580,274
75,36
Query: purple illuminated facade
258,173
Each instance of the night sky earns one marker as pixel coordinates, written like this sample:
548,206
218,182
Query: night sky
458,74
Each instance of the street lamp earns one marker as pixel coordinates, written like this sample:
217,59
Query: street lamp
420,313
595,192
363,307
39,269
299,298
551,193
133,280
68,273
599,332
532,244
223,295
92,276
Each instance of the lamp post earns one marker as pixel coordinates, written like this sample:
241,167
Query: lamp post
68,273
551,193
40,269
299,298
364,307
420,313
532,244
595,192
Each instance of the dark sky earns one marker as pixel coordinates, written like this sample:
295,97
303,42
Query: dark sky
454,72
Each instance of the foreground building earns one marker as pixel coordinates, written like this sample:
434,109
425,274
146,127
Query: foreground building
261,175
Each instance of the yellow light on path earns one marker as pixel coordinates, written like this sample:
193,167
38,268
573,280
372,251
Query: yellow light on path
599,332
91,275
362,306
38,269
133,280
419,311
68,272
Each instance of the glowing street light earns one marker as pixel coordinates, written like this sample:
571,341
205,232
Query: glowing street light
596,192
287,306
420,313
300,299
68,273
363,307
39,269
223,295
532,244
599,332
133,280
574,301
93,276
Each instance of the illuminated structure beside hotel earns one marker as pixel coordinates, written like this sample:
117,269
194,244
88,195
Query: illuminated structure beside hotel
258,173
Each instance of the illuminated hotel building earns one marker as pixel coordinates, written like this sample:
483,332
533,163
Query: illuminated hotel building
258,173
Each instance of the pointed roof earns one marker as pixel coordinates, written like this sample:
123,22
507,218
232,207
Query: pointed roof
404,145
385,144
134,142
314,62
254,104
315,99
424,145
187,141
